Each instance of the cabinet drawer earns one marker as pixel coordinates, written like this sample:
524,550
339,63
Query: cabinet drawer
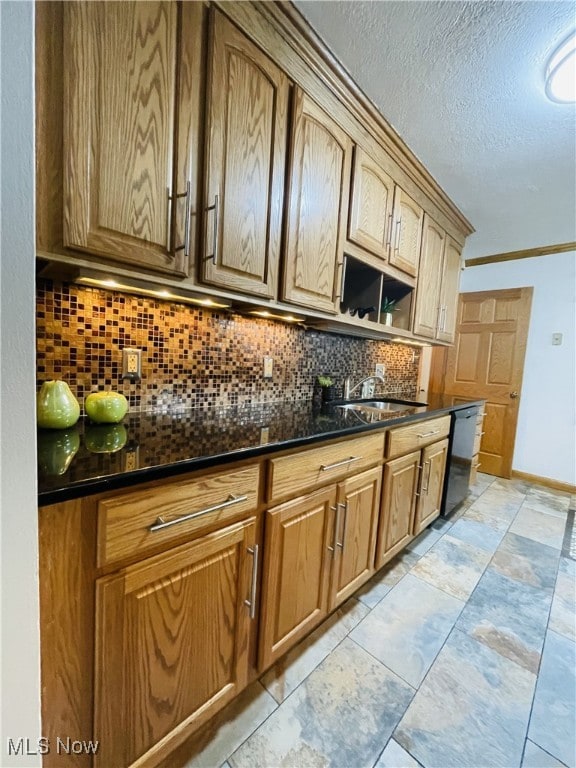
135,522
289,475
414,436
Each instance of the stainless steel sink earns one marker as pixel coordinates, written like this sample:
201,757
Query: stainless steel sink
370,411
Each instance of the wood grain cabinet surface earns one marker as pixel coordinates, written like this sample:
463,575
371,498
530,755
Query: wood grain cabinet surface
246,137
413,483
407,235
370,225
319,178
438,284
171,644
121,145
319,549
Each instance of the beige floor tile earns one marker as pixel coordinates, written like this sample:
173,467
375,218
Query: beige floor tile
539,526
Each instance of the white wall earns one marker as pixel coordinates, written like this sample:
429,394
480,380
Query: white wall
20,671
545,439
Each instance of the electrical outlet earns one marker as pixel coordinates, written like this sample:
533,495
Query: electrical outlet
132,364
556,339
268,367
264,435
380,369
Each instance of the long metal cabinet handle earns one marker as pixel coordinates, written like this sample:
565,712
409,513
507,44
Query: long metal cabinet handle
336,526
344,508
216,209
328,467
168,220
171,198
161,523
251,603
187,226
424,489
443,318
389,238
428,434
397,235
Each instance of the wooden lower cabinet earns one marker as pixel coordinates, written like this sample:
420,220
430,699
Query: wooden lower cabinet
431,484
358,508
298,539
398,506
411,498
319,550
171,644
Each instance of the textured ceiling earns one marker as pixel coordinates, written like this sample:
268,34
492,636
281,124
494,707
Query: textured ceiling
463,84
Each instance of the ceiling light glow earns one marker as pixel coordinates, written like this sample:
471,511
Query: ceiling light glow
561,72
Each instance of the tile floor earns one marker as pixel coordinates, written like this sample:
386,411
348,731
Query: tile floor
461,652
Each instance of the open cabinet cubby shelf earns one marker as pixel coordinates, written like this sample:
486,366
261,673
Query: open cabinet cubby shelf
365,291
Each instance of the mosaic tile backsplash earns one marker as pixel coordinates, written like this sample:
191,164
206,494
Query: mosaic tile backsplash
196,358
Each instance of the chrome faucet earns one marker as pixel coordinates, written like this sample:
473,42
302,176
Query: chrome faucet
368,386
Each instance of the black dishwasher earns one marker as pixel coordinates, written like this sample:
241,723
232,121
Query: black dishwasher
460,447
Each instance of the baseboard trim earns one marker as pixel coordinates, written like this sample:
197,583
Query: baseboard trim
547,481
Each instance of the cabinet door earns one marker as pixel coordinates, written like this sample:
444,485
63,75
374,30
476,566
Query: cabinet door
398,506
120,103
358,505
431,484
426,319
246,149
371,205
318,205
299,540
449,291
171,643
407,235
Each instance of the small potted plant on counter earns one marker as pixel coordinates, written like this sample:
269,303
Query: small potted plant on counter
327,387
387,307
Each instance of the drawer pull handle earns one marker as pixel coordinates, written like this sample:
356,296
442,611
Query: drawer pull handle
251,603
161,523
328,467
429,434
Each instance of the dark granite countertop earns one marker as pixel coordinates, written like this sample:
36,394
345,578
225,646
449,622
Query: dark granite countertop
89,459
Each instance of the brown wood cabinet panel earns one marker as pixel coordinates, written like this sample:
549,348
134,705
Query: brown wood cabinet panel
427,314
171,644
317,207
431,484
449,290
407,235
399,490
119,122
417,435
371,205
124,521
358,508
289,475
246,138
299,535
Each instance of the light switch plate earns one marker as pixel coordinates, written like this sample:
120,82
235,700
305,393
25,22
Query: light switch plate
380,369
268,367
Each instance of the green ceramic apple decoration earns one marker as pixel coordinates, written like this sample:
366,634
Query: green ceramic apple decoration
106,407
56,449
56,406
105,438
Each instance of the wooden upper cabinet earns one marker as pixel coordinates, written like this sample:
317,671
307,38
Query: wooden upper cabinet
246,138
407,234
317,207
370,224
171,644
120,102
427,315
449,290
